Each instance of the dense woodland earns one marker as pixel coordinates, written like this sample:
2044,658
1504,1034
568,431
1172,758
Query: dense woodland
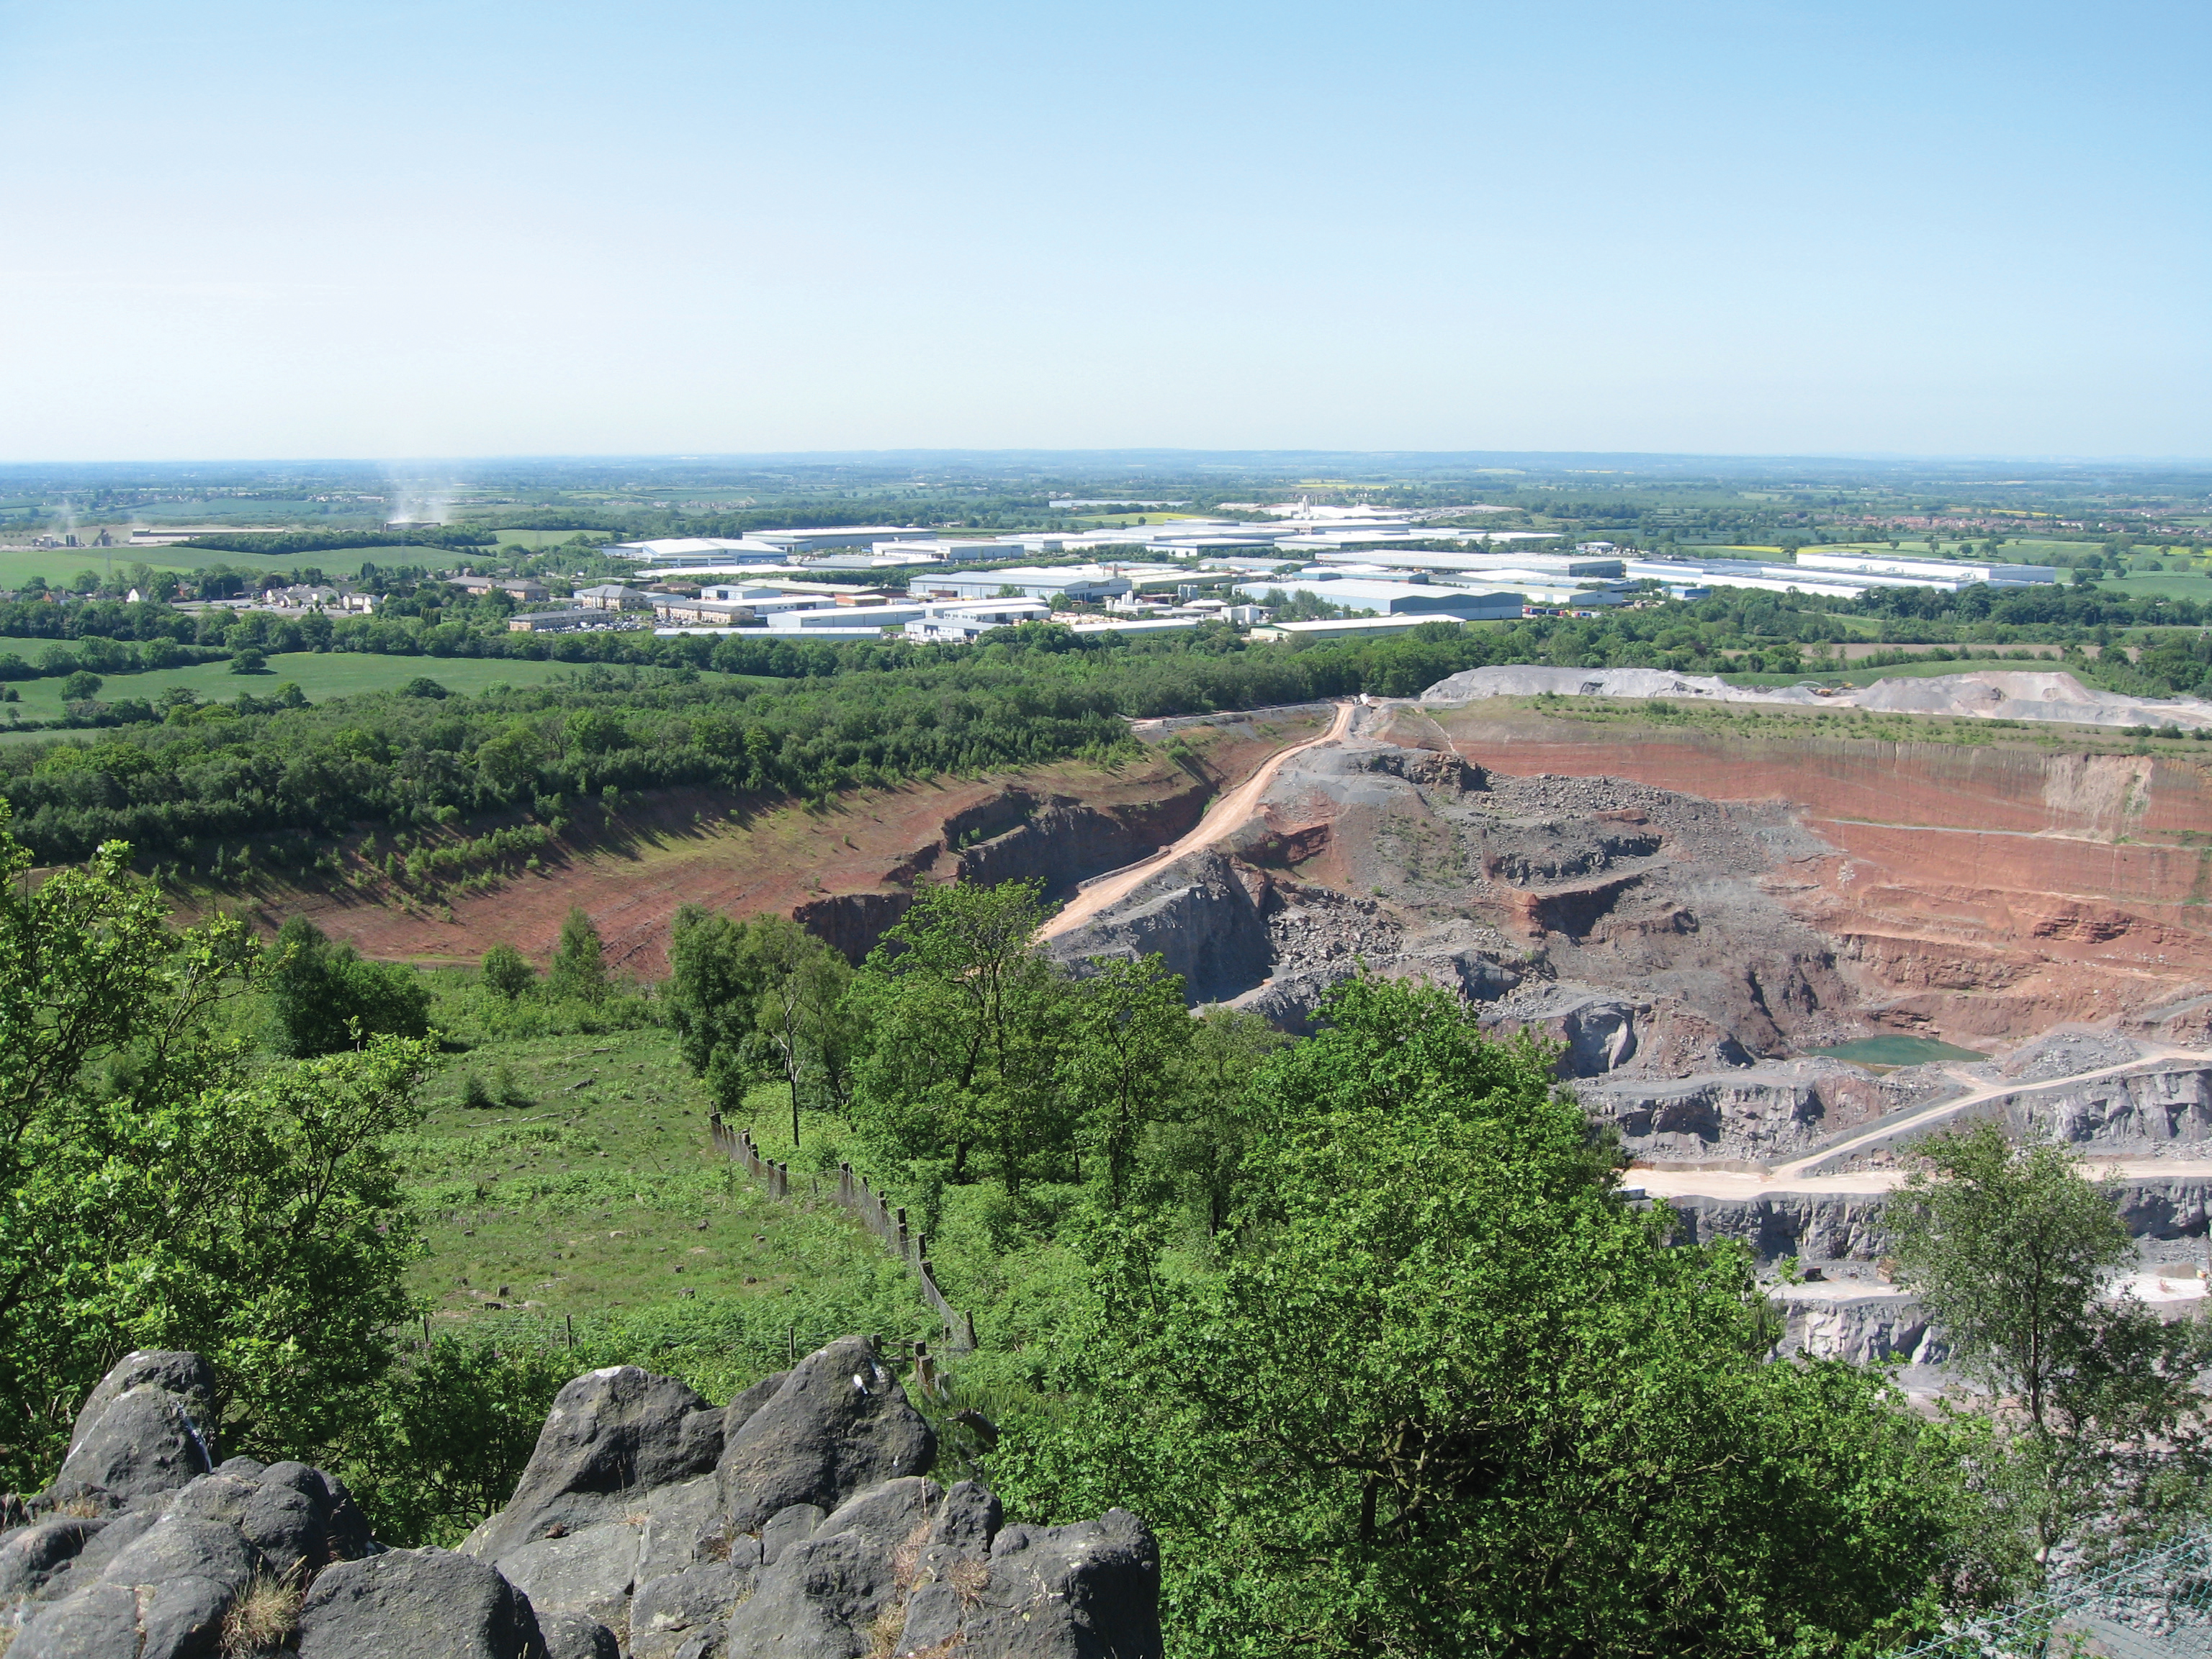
266,777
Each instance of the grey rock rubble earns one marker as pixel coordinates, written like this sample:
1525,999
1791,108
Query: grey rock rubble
799,1520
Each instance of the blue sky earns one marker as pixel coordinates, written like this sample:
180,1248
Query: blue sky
475,228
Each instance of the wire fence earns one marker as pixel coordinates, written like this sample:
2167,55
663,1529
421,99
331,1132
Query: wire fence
2153,1604
886,1221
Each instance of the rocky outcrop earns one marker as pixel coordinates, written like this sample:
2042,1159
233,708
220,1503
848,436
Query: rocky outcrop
798,1521
1750,1114
1205,914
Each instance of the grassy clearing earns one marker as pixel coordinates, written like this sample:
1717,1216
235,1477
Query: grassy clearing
61,566
589,1199
318,674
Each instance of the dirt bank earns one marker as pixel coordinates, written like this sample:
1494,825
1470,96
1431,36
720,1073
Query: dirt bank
848,869
1975,892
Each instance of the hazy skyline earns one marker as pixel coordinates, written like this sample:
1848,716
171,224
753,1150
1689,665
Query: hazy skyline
317,230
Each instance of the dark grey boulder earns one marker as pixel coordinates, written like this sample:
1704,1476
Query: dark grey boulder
612,1435
1087,1591
739,1412
789,1526
178,1577
414,1604
679,1609
588,1572
573,1636
187,1375
824,1597
301,1519
33,1556
679,1521
98,1622
838,1423
145,1442
821,1601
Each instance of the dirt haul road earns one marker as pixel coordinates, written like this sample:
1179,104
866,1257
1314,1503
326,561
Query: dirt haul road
1231,813
1797,1175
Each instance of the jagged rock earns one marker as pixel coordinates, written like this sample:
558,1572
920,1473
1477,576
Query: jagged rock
675,1568
1089,1589
298,1517
1198,914
676,1519
573,1636
179,1577
187,1375
678,1608
789,1526
144,1441
588,1572
416,1604
612,1435
35,1555
823,1594
839,1422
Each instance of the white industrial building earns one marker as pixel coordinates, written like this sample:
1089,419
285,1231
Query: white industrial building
1930,570
1388,599
1081,584
867,617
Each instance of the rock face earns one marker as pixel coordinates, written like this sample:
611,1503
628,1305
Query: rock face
798,1520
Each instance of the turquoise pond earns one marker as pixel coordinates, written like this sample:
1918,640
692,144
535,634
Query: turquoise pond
1896,1051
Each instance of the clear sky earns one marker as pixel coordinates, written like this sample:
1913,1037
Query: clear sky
293,227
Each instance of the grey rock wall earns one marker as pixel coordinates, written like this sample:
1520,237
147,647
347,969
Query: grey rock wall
799,1520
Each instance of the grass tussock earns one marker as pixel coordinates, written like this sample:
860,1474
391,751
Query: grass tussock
262,1620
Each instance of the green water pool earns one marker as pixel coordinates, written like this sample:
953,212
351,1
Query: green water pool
1896,1051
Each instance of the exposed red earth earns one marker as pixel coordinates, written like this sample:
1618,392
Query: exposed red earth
1977,893
845,869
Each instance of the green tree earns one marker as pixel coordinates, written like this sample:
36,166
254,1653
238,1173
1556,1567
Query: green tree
325,998
1207,1147
248,660
968,1021
1128,1033
579,968
801,1013
506,972
1449,1394
80,686
156,1189
714,996
2014,1255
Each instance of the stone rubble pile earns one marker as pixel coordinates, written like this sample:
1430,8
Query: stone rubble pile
799,1521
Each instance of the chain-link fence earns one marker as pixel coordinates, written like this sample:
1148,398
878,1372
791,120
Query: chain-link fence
2153,1604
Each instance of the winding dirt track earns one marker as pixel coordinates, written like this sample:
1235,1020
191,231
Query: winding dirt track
1232,811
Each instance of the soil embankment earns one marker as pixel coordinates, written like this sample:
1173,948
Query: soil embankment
1976,892
847,870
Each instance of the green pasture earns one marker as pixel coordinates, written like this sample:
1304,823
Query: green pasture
60,565
319,674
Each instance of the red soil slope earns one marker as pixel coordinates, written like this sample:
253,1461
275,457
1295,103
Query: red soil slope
845,869
1976,892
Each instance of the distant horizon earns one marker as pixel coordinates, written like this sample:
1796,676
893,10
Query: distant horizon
1138,454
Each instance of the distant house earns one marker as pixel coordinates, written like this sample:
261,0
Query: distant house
613,596
520,588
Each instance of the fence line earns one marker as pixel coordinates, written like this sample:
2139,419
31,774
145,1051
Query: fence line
2153,1604
886,1221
